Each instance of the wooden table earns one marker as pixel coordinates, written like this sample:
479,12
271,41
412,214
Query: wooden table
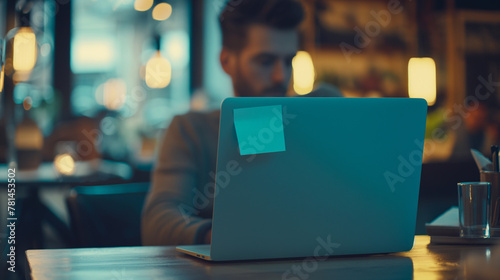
424,261
31,213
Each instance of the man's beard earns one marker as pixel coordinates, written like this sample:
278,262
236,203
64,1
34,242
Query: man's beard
243,88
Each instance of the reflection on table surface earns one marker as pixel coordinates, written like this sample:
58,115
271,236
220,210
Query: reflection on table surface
424,261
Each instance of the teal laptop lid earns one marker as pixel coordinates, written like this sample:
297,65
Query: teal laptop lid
298,177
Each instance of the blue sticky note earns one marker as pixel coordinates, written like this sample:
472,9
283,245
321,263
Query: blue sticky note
259,129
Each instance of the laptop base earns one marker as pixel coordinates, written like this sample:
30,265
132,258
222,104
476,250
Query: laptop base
199,251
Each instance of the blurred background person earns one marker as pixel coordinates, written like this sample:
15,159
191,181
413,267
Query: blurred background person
260,39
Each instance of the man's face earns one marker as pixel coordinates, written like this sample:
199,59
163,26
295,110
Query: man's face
264,66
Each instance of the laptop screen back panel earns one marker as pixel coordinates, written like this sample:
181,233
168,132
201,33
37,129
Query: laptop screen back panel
347,183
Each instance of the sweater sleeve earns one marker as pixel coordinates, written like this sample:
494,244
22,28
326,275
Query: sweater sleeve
169,216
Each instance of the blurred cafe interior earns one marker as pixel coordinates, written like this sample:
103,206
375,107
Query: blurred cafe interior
88,88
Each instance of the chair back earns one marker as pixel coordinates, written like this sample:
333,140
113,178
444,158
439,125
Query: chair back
107,216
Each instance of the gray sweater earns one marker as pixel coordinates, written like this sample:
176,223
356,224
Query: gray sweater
176,210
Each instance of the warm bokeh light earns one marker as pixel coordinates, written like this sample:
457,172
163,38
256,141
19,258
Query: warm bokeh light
175,49
158,72
64,164
24,48
422,79
92,54
303,73
175,46
143,5
27,103
162,11
2,73
114,93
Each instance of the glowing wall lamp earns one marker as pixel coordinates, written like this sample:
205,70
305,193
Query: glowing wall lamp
422,79
24,50
303,73
158,71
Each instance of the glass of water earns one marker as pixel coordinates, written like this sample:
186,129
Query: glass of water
473,207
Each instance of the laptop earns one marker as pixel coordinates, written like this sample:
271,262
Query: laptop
345,182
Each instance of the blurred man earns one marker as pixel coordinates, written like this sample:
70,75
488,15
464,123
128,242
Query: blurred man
260,39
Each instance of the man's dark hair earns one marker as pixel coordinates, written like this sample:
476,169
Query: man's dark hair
238,15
